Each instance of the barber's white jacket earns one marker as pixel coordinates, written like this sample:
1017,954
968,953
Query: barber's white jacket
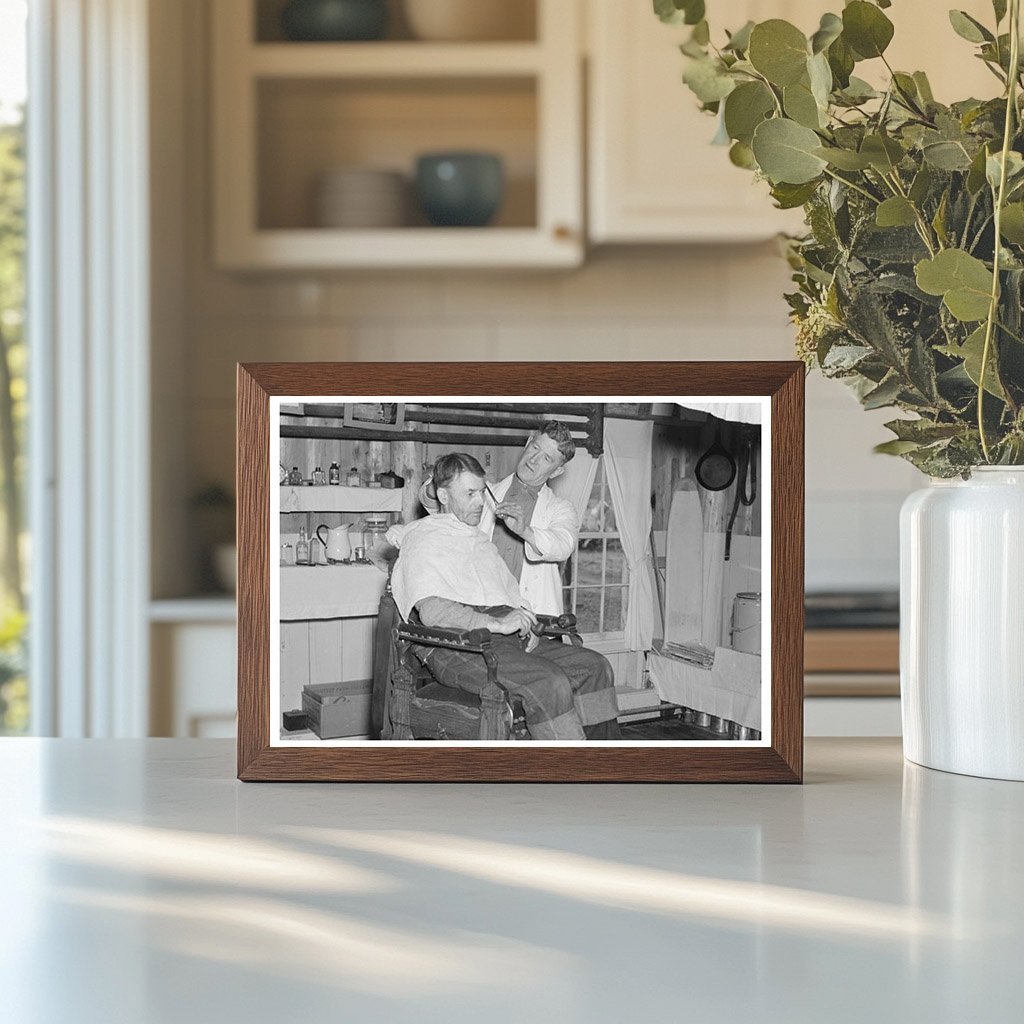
556,533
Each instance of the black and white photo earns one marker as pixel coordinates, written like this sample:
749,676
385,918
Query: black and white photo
552,570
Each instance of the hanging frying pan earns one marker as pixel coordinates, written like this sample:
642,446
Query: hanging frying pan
716,468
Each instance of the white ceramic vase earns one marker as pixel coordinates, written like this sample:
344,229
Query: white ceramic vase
962,624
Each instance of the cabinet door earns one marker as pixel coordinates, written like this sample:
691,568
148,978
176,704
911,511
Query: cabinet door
653,174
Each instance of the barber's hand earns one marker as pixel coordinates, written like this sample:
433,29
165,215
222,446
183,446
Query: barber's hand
514,516
519,620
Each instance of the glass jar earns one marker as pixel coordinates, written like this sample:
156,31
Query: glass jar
374,532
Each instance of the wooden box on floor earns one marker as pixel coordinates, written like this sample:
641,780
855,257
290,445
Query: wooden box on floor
334,710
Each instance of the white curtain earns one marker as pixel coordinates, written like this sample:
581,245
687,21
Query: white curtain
736,412
576,483
627,463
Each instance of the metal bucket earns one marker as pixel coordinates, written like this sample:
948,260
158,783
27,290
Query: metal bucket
746,623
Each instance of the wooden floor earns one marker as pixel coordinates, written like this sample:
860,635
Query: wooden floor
665,729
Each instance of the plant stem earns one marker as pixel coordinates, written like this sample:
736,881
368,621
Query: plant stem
850,184
922,225
993,309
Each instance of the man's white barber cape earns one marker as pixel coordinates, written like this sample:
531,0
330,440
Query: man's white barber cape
442,557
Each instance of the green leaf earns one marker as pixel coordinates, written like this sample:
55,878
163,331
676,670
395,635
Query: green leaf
883,153
896,212
971,352
820,76
895,447
708,81
999,6
1012,224
946,156
701,33
830,29
739,41
994,167
844,159
963,281
841,60
789,197
921,186
676,12
939,220
785,152
976,175
742,155
923,431
800,105
745,108
866,29
968,28
778,50
924,88
885,394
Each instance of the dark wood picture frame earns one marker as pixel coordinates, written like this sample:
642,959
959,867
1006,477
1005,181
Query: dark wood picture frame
780,761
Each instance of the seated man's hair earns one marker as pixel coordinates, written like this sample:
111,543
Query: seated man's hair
559,433
448,467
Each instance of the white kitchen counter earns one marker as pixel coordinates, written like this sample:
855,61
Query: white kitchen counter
142,883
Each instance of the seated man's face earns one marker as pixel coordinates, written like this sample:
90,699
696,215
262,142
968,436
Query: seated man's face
464,498
540,460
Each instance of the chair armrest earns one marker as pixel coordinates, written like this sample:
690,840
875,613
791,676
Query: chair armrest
557,626
473,640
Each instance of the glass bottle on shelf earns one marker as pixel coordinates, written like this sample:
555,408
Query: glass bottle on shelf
334,474
295,477
353,477
318,477
302,547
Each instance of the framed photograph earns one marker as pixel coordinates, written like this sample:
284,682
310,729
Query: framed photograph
507,572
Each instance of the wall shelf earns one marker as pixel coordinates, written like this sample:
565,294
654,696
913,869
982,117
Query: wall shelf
285,114
394,60
339,498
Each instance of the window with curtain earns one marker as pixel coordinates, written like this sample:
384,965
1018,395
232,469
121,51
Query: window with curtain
595,580
14,703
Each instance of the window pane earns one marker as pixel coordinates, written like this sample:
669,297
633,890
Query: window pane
588,609
589,562
615,609
14,693
615,562
609,513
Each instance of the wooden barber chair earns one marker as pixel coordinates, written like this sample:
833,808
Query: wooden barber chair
409,703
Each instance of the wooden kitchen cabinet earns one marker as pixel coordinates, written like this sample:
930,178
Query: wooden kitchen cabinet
653,175
285,113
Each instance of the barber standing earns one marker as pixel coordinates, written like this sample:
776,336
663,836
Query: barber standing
534,530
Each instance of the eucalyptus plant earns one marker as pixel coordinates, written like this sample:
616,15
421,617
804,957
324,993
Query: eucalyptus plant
911,275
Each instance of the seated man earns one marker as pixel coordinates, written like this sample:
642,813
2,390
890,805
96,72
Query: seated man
455,578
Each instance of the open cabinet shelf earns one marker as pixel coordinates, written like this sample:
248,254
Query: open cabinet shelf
288,114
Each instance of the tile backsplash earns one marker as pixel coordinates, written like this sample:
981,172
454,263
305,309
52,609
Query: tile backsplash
719,302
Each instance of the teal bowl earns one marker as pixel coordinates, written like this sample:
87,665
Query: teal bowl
333,21
462,190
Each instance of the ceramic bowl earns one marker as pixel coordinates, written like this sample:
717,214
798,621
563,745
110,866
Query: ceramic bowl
460,189
334,20
470,20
